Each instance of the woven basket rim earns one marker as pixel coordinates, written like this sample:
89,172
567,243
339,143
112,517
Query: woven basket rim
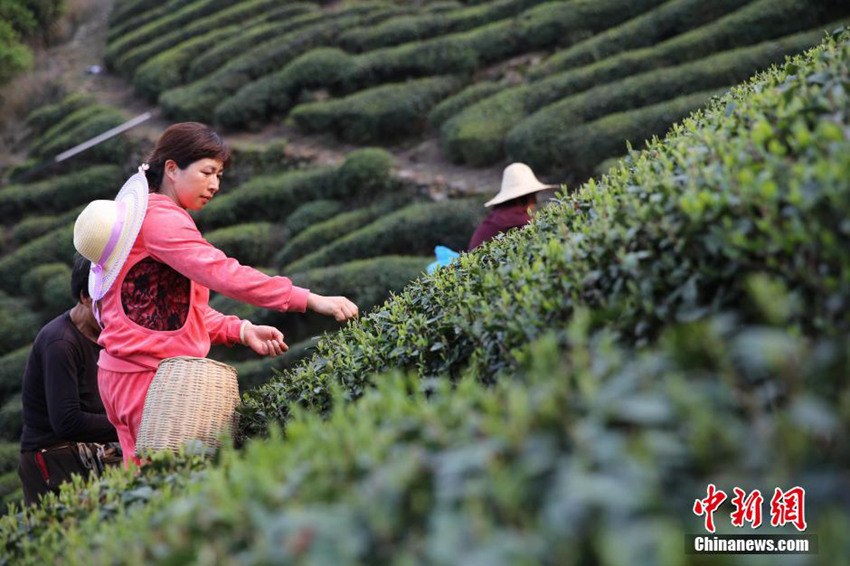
195,359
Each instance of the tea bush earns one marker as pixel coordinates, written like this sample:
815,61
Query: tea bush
122,46
666,21
530,140
49,288
275,93
197,101
248,13
578,458
457,102
18,324
254,373
252,159
364,175
416,27
55,246
414,229
252,243
477,134
33,227
44,117
756,184
367,282
754,22
114,150
378,115
221,55
323,233
11,419
166,70
12,366
60,193
310,214
120,27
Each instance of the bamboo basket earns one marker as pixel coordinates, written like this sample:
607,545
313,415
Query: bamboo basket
190,399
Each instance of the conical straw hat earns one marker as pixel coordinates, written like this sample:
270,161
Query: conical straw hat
517,180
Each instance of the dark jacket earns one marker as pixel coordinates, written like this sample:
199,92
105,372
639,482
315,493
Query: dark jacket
501,219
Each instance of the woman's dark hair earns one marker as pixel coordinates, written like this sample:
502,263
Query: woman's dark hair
80,277
185,143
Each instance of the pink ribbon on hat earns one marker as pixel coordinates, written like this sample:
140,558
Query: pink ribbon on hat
97,268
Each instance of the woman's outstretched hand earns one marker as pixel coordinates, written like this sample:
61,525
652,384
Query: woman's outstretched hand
338,307
265,340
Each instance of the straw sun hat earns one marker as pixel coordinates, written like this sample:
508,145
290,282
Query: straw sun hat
517,180
105,231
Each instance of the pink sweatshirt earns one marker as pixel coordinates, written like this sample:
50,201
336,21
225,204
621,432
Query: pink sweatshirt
169,236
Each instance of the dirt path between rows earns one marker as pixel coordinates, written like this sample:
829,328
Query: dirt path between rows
420,161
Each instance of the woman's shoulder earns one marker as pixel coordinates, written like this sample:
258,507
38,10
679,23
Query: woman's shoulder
164,212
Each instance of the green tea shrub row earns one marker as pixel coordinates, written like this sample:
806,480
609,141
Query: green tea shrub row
9,452
48,286
378,115
44,117
15,57
252,159
222,54
274,94
583,148
114,150
252,243
588,453
309,214
367,282
540,27
405,29
153,31
20,22
666,21
167,69
86,503
364,175
142,17
536,28
55,246
12,366
413,230
254,373
753,22
197,101
246,13
476,135
10,483
756,184
33,227
531,141
457,102
18,324
11,419
125,11
65,124
323,233
60,193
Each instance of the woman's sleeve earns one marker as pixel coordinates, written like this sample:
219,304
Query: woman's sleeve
172,238
222,328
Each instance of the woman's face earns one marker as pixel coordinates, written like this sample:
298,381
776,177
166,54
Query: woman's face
195,185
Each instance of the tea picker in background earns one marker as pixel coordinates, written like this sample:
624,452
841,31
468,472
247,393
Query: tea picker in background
153,272
66,430
512,208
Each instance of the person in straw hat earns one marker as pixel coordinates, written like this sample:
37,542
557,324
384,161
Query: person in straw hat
513,205
152,272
